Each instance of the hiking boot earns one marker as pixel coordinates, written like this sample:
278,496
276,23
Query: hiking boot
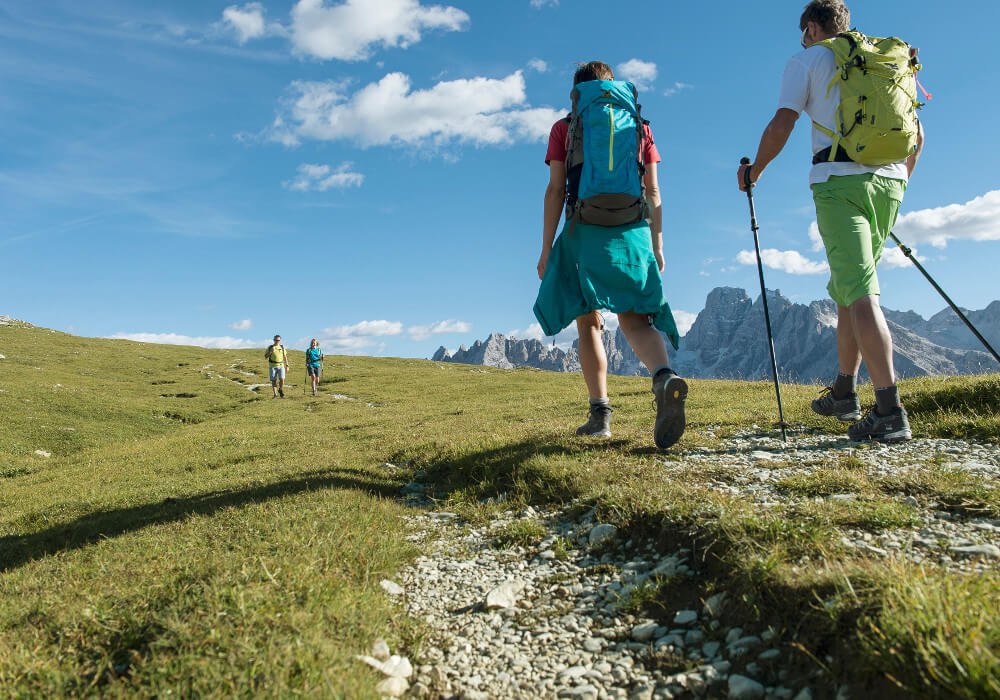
846,409
281,393
598,422
894,427
669,394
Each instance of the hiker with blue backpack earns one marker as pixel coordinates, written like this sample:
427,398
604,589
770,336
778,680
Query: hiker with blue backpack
602,169
860,93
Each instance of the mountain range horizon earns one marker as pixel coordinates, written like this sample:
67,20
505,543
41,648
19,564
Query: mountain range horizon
728,341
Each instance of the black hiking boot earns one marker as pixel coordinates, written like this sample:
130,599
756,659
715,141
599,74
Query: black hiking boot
894,427
281,393
846,409
669,392
598,422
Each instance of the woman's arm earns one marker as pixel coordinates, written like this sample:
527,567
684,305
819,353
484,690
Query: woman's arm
655,211
555,197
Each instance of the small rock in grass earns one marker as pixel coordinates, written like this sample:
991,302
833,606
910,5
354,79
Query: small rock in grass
601,534
392,687
397,666
713,604
743,688
686,617
43,453
504,596
986,550
391,587
644,632
380,650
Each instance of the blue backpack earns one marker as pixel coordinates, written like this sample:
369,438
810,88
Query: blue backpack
604,165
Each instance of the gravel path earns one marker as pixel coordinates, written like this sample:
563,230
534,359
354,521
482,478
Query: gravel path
554,621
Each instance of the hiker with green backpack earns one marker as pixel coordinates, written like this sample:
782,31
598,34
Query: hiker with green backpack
602,168
860,93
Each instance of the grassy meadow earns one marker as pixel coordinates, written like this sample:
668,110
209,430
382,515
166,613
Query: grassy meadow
189,537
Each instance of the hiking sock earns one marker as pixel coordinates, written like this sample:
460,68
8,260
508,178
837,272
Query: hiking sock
844,385
599,402
887,400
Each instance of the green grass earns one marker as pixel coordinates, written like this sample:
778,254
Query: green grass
188,538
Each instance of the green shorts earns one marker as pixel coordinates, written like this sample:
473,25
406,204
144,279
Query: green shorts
855,214
603,267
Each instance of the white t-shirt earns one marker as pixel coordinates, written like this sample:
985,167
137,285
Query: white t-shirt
803,88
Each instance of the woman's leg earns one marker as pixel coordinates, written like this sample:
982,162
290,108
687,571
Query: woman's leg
646,341
593,359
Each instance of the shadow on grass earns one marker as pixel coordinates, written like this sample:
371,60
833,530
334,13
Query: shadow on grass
17,550
529,469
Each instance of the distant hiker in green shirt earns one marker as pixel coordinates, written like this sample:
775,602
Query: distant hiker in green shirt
277,365
602,166
862,159
314,363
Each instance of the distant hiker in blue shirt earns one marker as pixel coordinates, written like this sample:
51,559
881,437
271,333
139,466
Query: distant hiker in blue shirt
602,166
314,363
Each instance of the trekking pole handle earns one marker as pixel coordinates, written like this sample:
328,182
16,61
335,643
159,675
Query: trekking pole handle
746,173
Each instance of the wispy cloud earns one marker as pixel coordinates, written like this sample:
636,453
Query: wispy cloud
538,65
678,86
790,261
479,111
641,73
320,178
448,326
364,329
203,341
244,325
542,3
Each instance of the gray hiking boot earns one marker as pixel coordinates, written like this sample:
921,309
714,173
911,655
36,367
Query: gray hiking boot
669,392
598,422
894,427
846,409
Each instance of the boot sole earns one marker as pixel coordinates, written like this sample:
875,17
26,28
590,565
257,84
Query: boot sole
842,417
670,412
896,436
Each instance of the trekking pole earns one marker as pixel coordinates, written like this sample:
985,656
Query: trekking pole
763,295
909,254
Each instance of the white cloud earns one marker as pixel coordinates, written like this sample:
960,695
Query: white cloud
365,329
892,256
641,73
790,261
320,178
542,3
349,30
684,320
976,220
247,21
678,86
815,238
244,325
538,65
479,111
448,326
224,342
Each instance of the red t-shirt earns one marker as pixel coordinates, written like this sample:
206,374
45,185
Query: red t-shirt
560,132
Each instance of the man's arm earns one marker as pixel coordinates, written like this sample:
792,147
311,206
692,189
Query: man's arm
651,182
555,197
911,162
773,139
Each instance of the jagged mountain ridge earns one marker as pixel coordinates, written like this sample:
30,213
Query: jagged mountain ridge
728,340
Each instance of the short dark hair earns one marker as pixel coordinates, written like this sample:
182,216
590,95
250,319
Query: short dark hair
595,70
832,15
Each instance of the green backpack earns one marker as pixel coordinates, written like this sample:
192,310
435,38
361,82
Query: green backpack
877,115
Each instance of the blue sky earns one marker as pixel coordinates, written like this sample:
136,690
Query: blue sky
371,173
